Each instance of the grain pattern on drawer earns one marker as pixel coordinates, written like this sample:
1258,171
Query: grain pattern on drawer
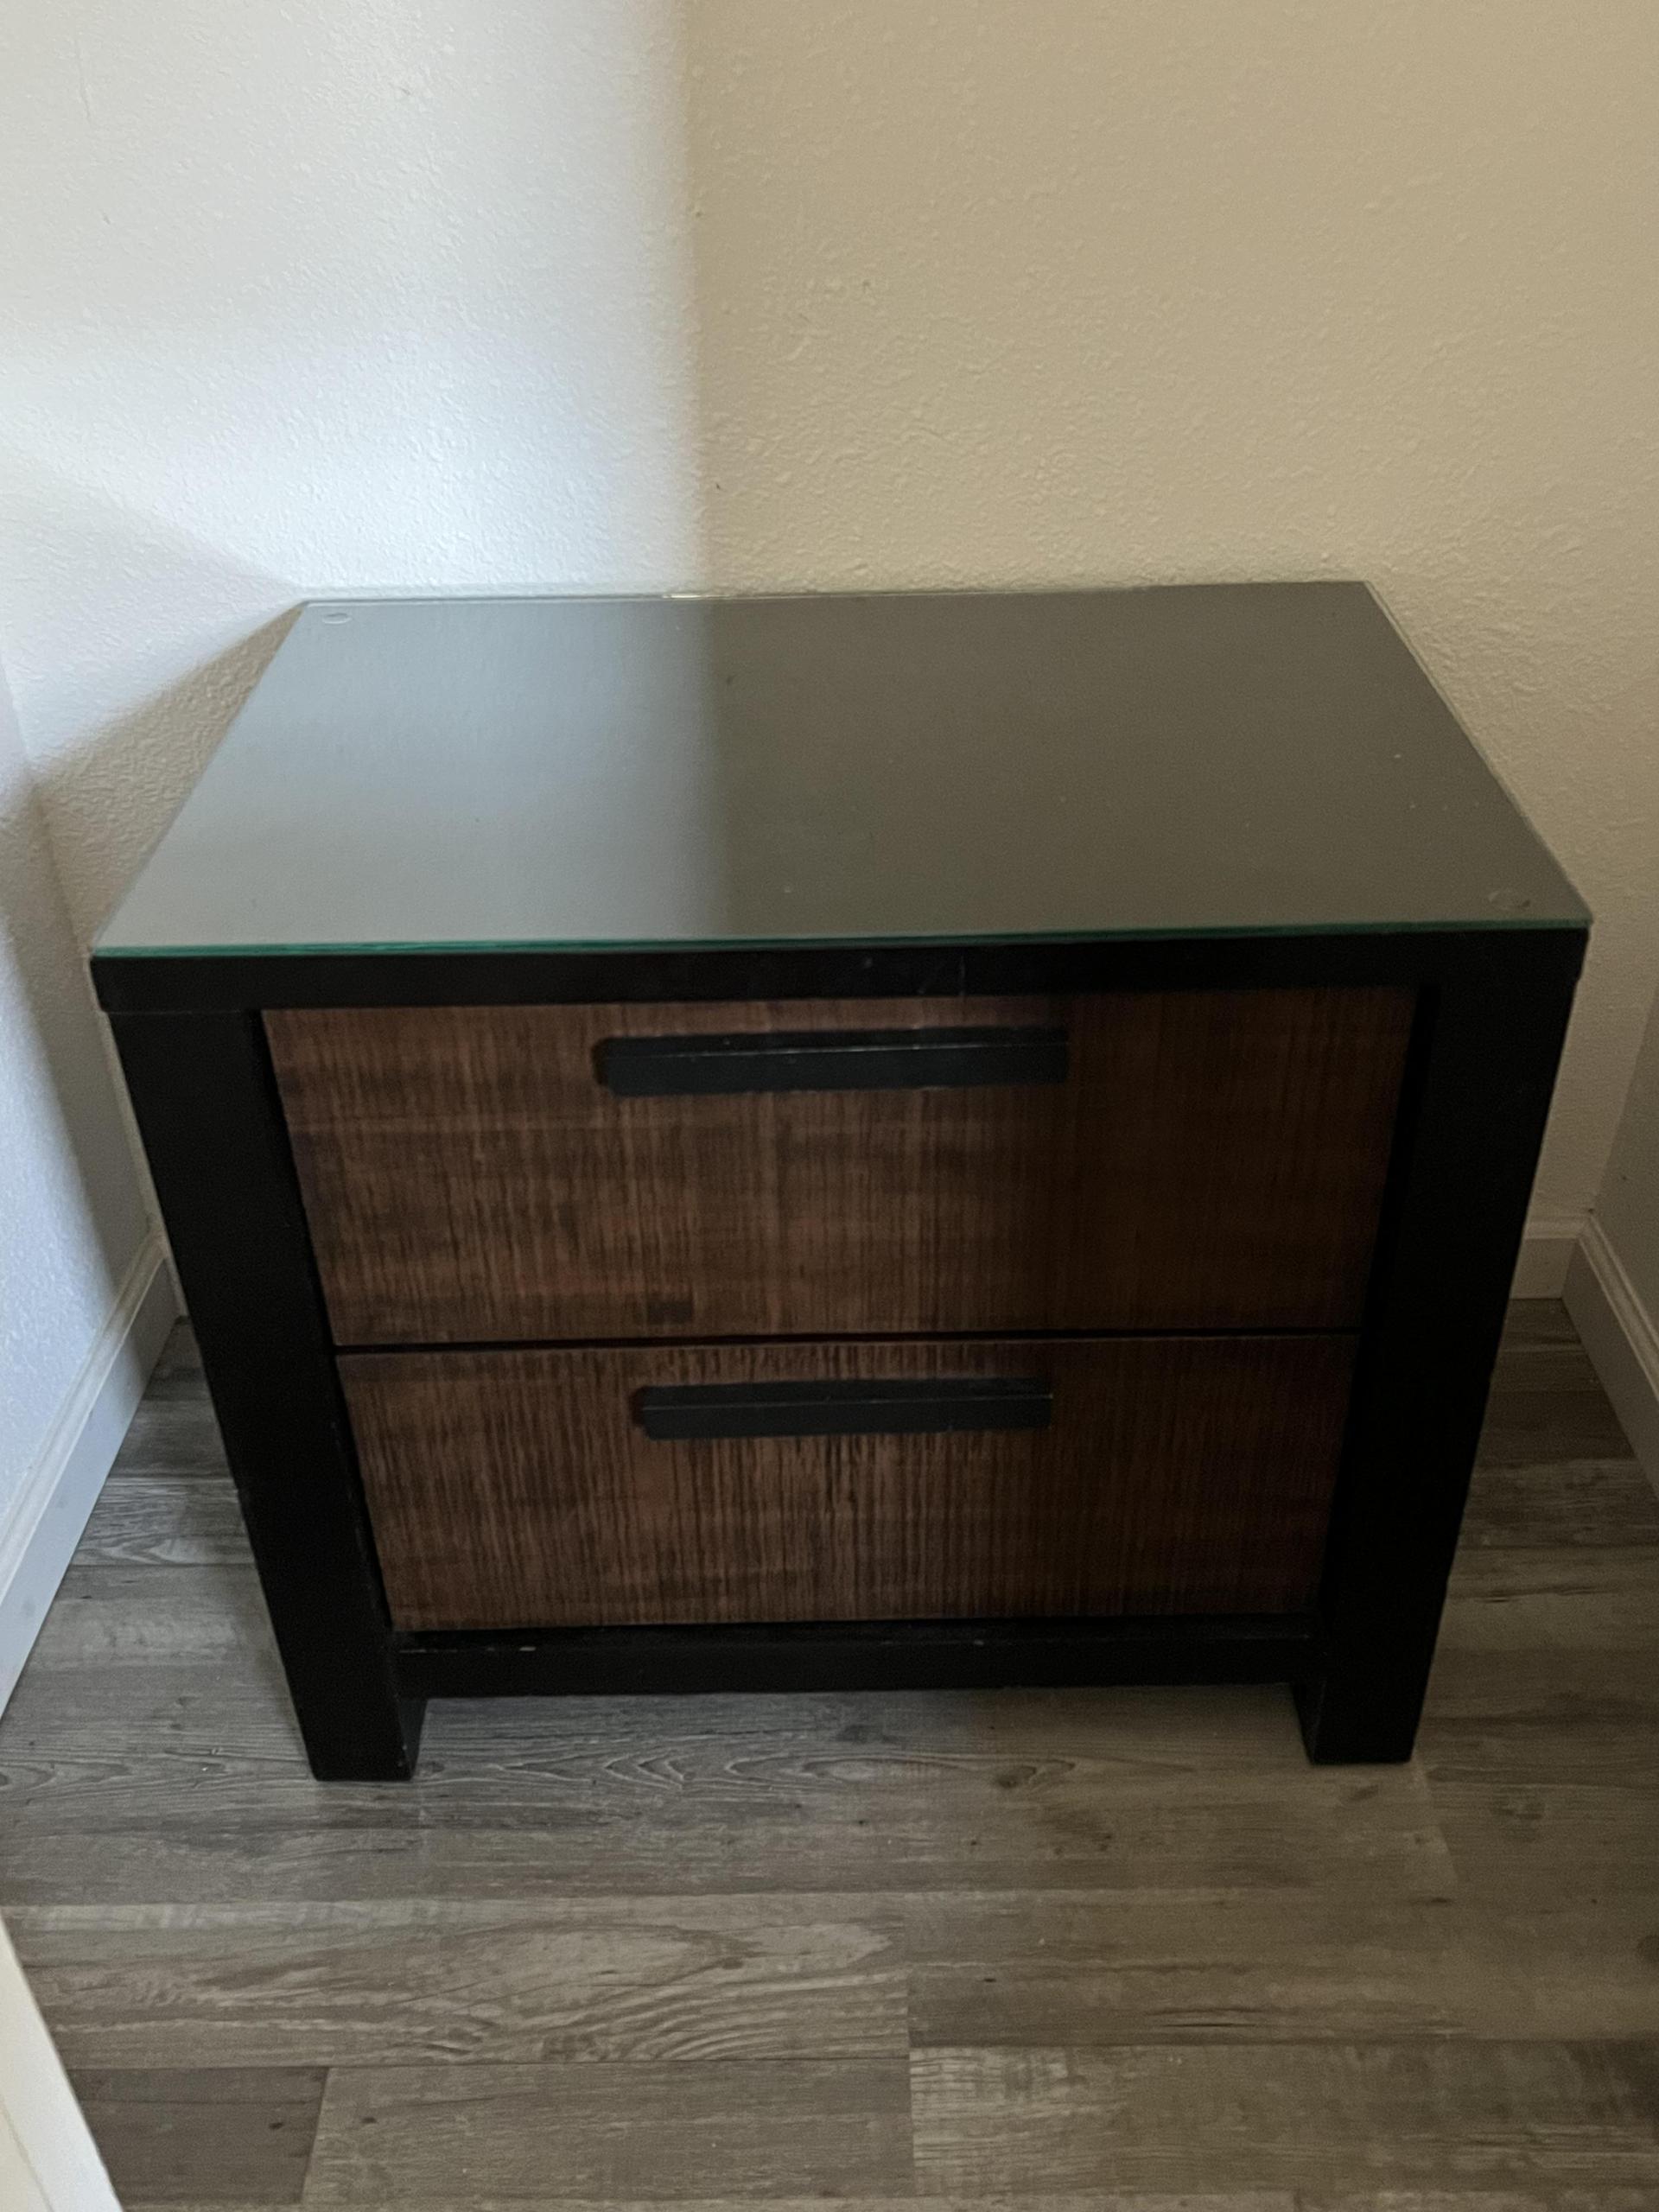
521,1488
1178,1161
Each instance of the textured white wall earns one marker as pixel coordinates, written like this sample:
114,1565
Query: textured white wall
518,292
1049,290
71,1217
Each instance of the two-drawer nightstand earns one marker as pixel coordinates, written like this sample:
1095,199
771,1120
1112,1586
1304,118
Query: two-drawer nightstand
952,1139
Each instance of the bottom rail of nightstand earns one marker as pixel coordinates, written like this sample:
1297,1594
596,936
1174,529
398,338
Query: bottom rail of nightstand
856,1655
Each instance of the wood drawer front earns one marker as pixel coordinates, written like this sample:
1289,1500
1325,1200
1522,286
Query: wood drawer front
513,1489
1212,1160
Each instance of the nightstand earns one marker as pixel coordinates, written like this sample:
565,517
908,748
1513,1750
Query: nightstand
931,1138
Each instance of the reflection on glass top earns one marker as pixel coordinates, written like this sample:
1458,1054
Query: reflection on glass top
587,772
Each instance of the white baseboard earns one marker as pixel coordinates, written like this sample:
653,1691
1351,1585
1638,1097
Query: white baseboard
1547,1250
38,1535
1621,1338
48,2161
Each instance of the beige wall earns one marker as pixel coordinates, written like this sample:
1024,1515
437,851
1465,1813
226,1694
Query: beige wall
475,294
1097,289
292,298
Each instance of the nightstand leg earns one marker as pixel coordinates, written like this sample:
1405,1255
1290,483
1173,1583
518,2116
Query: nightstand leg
1483,1055
1361,1717
207,1108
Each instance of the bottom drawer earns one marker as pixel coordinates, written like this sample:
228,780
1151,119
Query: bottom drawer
835,1482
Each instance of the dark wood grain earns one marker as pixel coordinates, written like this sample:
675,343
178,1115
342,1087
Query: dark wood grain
1586,1502
1216,1159
1319,2114
1000,1968
465,2134
1553,1467
512,1489
1527,1828
211,2135
165,1520
188,1783
1532,2198
174,1432
1553,1598
363,1983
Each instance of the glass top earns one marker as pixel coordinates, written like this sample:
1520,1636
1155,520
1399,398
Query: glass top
563,772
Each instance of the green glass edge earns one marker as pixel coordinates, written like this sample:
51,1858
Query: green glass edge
1462,926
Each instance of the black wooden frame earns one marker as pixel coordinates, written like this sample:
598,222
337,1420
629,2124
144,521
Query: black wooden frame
1493,1012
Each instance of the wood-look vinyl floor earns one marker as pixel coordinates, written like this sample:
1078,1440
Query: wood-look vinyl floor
1062,1949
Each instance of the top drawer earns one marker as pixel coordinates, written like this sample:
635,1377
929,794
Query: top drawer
1162,1160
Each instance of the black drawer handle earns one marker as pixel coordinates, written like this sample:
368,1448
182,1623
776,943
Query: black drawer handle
830,1059
946,1406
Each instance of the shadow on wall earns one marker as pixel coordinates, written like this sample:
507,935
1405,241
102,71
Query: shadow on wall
71,1217
121,716
129,654
415,316
109,798
444,351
